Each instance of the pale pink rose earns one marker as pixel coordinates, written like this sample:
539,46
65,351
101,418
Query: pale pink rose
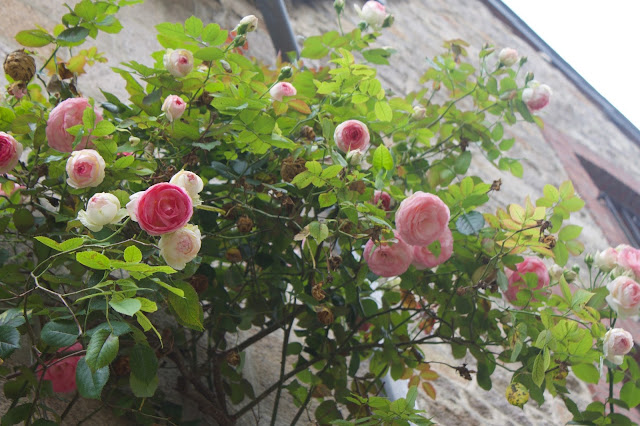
282,89
624,296
191,182
173,107
161,209
247,24
102,209
508,56
423,258
606,260
389,258
66,114
422,218
180,247
629,259
10,152
351,135
382,200
85,169
419,112
516,279
178,62
62,374
536,95
373,13
616,344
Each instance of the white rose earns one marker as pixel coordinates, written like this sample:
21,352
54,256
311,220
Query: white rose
419,112
85,168
191,182
373,13
555,272
616,344
508,56
180,247
103,208
247,24
606,260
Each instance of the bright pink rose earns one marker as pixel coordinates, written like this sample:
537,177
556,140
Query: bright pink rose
10,152
62,374
616,344
423,258
422,218
624,296
174,107
162,208
178,62
382,200
85,169
536,95
516,280
629,259
67,114
388,259
282,89
351,135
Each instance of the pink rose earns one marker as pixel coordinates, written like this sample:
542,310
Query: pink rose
624,296
606,260
178,62
389,258
423,258
351,135
282,89
422,218
85,169
536,95
382,200
516,280
180,247
373,13
10,152
62,373
174,107
508,56
616,344
67,114
191,182
161,209
629,259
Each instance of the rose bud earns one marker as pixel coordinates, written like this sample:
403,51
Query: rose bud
10,152
422,218
282,89
180,247
423,258
555,272
351,135
173,107
516,279
354,157
285,72
508,56
389,258
62,372
629,259
373,13
161,209
85,169
66,114
178,62
624,296
103,208
616,344
419,112
382,199
246,25
536,95
191,182
338,5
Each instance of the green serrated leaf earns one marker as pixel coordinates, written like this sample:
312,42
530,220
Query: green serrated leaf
93,260
188,308
102,349
59,334
132,254
382,158
90,383
126,306
470,223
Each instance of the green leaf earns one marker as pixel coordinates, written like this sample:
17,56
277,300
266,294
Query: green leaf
73,35
462,163
23,219
470,223
327,199
72,243
59,334
209,54
382,158
102,349
188,308
178,292
630,394
34,38
561,253
538,370
516,169
17,415
383,111
144,363
103,128
143,389
132,254
9,340
93,260
13,317
126,306
569,232
213,35
49,243
586,372
551,193
319,231
90,383
193,26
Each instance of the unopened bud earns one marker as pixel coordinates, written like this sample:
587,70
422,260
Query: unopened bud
338,5
388,21
354,157
285,72
246,25
588,259
134,140
225,66
570,276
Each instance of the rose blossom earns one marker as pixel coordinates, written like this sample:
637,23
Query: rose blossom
516,279
616,344
624,296
10,152
62,374
419,112
536,95
85,168
629,259
382,200
606,260
66,114
180,247
508,56
161,209
173,107
178,62
421,218
103,208
247,24
388,259
191,182
351,135
282,89
423,258
373,13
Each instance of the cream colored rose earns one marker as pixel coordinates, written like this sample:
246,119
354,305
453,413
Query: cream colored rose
85,168
103,208
606,260
616,344
191,182
180,247
508,56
